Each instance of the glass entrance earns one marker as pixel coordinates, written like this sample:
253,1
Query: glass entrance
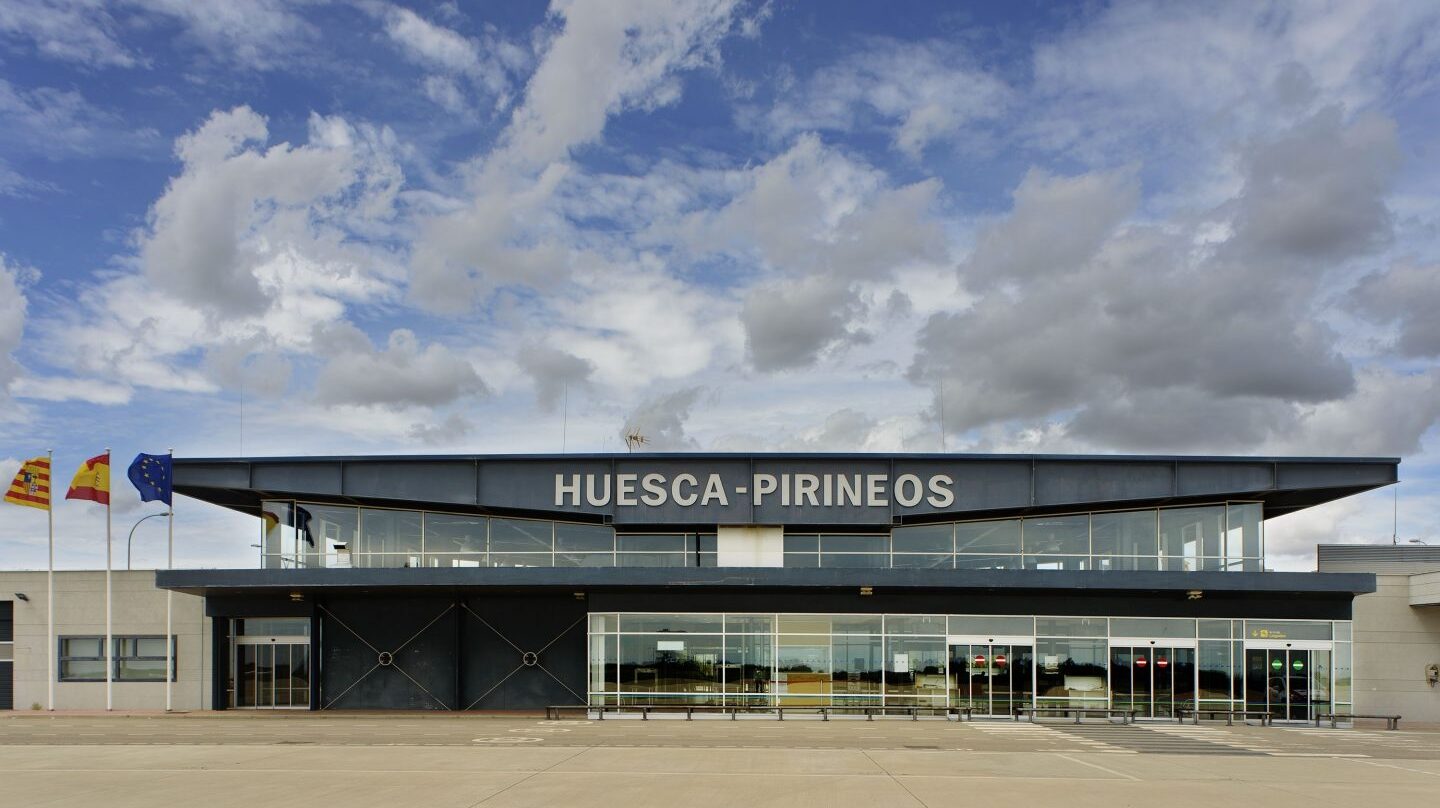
272,675
1153,680
991,678
1292,684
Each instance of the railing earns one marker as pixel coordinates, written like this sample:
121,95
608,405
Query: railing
555,712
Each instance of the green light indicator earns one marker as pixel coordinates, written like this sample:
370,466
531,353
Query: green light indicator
1298,665
1276,665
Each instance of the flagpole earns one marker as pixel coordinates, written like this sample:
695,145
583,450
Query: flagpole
109,633
50,589
169,595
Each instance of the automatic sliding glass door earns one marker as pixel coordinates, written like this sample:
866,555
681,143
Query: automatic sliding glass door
272,675
1291,684
991,678
1153,680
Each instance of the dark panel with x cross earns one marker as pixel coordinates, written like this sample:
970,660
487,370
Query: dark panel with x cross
390,653
522,652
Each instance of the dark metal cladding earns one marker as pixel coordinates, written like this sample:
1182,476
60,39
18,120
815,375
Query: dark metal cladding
984,485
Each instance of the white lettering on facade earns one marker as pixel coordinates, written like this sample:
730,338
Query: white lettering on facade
802,490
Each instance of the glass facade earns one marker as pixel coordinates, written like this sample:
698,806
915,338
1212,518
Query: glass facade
1211,537
990,663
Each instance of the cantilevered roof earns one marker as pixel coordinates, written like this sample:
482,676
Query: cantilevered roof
979,486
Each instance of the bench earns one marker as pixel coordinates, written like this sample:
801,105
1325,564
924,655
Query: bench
1127,715
1392,722
1266,719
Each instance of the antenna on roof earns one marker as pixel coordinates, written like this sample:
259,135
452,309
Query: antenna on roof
634,439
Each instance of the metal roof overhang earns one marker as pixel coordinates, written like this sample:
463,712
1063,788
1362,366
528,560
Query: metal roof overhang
987,486
477,580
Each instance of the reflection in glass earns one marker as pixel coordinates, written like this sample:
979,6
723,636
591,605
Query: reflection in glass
521,536
747,666
1130,533
802,666
856,660
451,533
679,669
915,670
387,531
1186,534
924,539
1071,671
995,538
326,535
1059,535
570,538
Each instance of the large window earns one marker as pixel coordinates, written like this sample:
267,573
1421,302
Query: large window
136,659
1209,537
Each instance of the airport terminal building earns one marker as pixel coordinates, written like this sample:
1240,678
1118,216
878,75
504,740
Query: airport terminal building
983,581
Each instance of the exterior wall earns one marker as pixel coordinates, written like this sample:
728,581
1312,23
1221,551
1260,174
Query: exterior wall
1394,641
139,609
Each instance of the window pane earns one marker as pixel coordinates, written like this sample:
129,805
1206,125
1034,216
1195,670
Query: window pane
1130,533
922,560
273,627
865,560
987,562
747,663
974,625
855,624
386,531
924,539
82,669
915,670
1070,627
1287,629
651,560
1071,671
1155,627
801,544
521,560
583,538
1057,534
520,535
802,559
323,533
1125,563
277,527
1191,532
453,533
802,666
1049,562
1245,527
854,544
81,647
915,624
856,662
584,559
674,542
1215,629
142,670
706,542
680,665
811,624
150,646
749,623
455,560
703,623
988,537
1215,670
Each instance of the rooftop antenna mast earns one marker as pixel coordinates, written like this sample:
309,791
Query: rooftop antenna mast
634,439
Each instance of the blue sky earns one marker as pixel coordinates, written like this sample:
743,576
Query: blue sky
367,227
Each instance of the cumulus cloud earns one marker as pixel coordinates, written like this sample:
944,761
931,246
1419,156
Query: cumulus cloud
788,325
920,93
1140,335
661,420
403,374
13,307
553,372
1407,296
483,62
230,230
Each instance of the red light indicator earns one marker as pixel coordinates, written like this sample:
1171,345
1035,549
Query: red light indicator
1162,662
999,659
979,659
1141,662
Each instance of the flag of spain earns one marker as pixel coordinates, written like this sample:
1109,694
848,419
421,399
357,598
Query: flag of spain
31,486
92,481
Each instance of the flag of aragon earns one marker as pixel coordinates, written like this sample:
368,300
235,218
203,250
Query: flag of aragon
92,481
32,485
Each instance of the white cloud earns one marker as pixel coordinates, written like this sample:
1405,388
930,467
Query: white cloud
79,31
404,374
90,391
13,307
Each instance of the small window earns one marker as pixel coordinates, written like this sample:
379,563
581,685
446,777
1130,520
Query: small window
136,659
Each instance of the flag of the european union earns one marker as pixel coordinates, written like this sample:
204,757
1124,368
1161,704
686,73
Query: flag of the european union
152,475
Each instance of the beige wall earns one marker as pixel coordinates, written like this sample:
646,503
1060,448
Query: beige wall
1394,641
139,608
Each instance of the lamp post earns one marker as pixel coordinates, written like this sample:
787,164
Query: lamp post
132,534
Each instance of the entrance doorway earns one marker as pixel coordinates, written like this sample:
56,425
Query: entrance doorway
270,663
272,675
993,678
1292,684
1154,680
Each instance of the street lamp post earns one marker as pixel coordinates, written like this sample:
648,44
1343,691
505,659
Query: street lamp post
132,534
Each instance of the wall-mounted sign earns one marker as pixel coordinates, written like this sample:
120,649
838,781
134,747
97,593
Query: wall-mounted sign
811,490
670,645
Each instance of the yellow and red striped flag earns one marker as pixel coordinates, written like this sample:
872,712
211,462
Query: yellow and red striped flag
31,487
92,481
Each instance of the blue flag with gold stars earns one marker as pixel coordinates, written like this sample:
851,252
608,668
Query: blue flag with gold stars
151,475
